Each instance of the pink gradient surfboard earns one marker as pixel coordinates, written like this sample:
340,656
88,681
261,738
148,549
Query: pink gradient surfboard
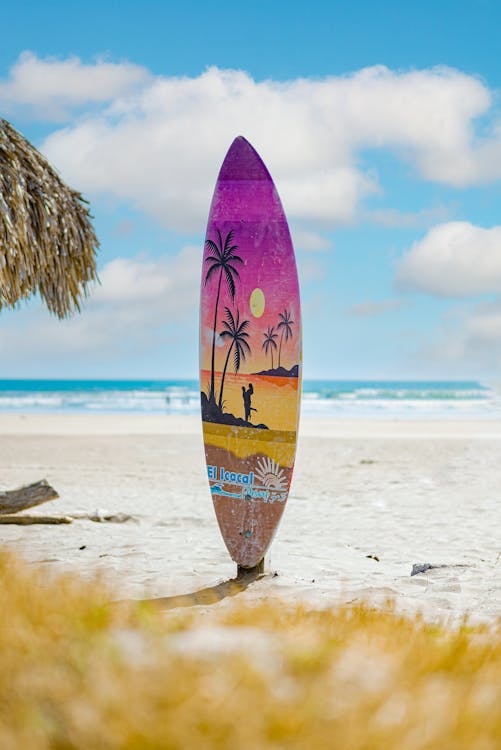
250,354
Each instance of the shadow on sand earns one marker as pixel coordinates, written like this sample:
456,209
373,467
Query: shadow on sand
211,594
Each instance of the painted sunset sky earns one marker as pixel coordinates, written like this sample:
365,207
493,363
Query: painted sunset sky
251,209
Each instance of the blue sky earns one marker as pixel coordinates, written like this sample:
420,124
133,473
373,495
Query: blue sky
380,124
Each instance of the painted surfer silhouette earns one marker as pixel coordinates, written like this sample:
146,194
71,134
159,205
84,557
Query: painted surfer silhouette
247,396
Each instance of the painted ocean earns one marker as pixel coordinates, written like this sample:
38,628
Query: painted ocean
321,398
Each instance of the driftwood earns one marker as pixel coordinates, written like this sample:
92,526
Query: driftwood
30,520
12,501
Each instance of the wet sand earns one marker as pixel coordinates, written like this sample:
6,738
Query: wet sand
369,500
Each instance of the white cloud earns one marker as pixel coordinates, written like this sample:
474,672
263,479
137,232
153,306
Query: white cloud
167,285
327,196
140,303
371,308
485,327
148,293
132,280
455,259
308,240
310,269
52,87
467,341
157,142
427,217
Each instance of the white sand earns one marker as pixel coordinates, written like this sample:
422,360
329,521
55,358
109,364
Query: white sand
405,492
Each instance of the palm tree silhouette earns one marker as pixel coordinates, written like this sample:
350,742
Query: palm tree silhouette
236,331
221,257
285,323
269,342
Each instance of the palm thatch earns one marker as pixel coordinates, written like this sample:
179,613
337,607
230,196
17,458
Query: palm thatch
47,242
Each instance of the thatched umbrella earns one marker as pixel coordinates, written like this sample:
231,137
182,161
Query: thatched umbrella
47,243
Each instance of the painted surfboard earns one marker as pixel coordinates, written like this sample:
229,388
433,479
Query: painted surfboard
250,354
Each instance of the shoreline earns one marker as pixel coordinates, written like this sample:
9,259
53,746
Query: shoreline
78,423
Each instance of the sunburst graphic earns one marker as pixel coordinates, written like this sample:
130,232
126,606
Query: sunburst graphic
270,474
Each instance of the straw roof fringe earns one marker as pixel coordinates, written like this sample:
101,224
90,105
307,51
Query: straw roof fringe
47,242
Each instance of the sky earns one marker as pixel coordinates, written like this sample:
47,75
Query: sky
380,124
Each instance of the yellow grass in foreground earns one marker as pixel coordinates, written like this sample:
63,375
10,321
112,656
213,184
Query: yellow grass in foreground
77,671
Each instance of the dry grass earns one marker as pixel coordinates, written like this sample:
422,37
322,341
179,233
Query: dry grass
80,672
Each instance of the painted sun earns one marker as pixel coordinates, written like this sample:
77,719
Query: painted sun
257,302
270,474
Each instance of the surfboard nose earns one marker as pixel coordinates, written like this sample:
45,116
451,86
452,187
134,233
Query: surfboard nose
243,162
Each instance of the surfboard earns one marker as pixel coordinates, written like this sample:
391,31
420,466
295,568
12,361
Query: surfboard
250,354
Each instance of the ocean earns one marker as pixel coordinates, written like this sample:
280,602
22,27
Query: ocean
321,398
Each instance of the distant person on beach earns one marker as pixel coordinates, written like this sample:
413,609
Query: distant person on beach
247,396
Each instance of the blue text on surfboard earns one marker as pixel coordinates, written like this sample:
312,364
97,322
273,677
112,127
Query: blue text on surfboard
230,476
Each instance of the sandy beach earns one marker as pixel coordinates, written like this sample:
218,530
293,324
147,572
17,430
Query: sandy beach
369,500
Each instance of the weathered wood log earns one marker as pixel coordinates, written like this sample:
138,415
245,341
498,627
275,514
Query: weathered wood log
30,520
12,501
